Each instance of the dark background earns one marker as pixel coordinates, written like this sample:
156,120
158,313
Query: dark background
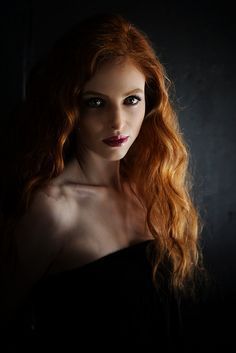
196,43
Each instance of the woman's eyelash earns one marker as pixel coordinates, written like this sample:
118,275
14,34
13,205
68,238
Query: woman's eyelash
134,99
94,102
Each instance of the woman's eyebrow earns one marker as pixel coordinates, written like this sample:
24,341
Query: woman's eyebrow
95,93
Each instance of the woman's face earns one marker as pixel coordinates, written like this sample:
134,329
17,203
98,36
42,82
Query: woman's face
112,105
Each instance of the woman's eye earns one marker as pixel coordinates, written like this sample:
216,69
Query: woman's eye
94,102
132,100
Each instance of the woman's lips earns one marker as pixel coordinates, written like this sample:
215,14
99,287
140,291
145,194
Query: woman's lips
116,141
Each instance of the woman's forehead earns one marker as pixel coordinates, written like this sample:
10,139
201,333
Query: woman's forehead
119,72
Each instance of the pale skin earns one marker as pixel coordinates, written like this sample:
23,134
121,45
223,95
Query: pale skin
85,213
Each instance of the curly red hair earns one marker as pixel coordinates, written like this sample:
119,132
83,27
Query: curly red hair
157,164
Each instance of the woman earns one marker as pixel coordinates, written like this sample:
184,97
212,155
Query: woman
103,232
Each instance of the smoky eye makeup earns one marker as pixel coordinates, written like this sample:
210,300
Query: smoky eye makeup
132,100
93,102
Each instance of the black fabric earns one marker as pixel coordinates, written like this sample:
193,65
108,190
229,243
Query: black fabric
111,305
108,304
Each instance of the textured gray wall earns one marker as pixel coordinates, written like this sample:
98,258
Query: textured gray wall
196,43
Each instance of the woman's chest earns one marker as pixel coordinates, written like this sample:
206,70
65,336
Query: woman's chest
112,218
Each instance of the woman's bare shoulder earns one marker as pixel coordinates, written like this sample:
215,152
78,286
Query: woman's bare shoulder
40,232
48,213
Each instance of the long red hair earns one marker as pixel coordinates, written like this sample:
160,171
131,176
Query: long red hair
157,164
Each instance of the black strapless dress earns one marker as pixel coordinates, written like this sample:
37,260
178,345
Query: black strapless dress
110,305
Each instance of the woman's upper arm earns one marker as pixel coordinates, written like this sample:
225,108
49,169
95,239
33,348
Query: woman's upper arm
38,239
39,235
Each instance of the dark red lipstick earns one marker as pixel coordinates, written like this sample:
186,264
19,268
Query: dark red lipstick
116,141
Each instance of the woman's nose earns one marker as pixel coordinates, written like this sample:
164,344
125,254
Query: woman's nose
116,119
